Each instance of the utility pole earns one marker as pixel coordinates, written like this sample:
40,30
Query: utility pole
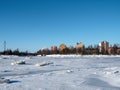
4,45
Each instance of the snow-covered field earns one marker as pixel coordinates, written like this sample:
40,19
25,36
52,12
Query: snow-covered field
66,72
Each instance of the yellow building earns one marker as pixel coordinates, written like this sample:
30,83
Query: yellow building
80,48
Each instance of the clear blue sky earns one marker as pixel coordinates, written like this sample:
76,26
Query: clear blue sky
34,24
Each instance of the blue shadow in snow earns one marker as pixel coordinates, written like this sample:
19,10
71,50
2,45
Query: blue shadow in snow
14,81
100,83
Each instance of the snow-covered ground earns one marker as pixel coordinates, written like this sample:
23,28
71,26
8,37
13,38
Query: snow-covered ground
66,72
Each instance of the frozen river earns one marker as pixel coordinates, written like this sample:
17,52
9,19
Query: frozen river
65,72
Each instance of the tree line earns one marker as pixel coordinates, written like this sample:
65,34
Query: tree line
17,52
64,49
